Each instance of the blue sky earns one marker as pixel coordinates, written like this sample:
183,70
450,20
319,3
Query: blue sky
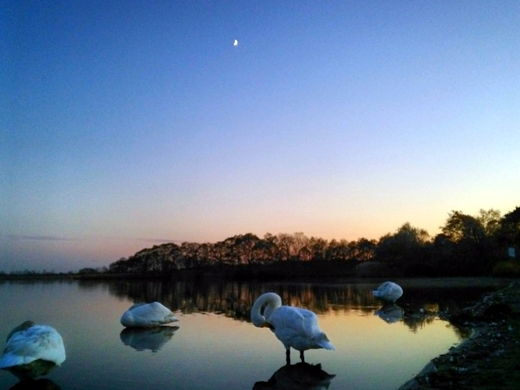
130,123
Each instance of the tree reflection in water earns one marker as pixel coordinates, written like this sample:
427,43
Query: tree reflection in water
420,306
302,376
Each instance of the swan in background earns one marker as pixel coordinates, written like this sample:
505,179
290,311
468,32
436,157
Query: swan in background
32,350
294,327
388,292
146,315
153,339
300,376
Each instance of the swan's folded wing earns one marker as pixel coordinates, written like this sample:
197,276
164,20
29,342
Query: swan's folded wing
294,322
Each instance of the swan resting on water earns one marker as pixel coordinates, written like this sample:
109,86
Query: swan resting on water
388,292
293,326
146,315
32,350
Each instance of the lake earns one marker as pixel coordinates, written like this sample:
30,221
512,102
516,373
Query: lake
215,346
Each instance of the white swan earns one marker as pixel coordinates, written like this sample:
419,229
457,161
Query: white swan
388,292
29,344
146,315
294,327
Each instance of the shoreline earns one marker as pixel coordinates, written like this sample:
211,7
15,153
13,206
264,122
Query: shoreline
490,357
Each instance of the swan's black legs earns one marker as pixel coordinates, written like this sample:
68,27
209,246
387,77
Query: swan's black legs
288,356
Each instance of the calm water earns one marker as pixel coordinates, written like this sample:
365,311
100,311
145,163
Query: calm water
216,347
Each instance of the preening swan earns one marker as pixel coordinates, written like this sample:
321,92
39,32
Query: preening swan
32,350
294,327
146,315
388,292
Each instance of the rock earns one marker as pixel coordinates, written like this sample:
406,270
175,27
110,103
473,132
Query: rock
485,360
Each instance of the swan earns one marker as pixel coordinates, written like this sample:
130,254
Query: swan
388,292
294,327
32,350
146,315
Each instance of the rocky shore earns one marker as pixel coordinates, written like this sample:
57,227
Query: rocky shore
490,358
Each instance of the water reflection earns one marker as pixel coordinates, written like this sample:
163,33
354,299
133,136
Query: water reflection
152,339
302,376
205,354
419,306
32,370
390,313
33,384
235,299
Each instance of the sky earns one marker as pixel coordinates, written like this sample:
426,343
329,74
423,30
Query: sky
126,124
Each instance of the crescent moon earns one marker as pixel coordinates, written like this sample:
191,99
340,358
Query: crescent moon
235,43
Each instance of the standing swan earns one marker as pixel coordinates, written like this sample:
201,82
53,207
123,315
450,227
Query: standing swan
294,327
388,292
146,315
28,345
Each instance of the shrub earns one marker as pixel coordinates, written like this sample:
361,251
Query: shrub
507,268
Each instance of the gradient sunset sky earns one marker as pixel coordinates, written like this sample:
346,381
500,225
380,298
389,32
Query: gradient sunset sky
125,124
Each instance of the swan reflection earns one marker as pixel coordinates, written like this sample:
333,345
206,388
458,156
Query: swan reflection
33,384
147,338
32,370
390,312
302,376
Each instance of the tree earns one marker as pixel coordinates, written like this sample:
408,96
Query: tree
284,244
404,249
508,232
338,250
318,248
473,250
362,249
189,252
245,245
490,221
460,226
299,249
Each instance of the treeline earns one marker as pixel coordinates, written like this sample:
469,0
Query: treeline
468,245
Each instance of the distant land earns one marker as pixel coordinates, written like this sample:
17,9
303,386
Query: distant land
481,245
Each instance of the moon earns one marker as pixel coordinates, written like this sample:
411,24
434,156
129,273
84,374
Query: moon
235,43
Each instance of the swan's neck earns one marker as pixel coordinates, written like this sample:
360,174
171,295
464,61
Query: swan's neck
272,300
